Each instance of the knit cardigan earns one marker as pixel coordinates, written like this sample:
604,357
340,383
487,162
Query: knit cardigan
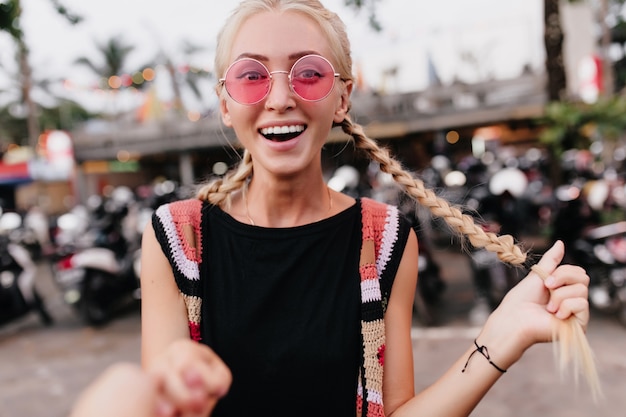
178,229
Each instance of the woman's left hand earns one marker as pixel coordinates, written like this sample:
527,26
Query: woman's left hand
529,312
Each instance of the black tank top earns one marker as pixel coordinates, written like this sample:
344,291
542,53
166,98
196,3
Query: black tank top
282,309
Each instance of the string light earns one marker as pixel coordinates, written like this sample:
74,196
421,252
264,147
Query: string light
137,79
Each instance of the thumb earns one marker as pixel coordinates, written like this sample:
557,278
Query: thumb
552,258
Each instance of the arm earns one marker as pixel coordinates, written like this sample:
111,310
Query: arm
398,377
163,311
127,390
122,390
190,375
526,316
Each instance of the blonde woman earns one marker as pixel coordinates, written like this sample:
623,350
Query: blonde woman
300,295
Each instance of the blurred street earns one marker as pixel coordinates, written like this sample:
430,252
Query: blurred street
42,370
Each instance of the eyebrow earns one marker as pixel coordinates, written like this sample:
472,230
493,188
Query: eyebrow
292,57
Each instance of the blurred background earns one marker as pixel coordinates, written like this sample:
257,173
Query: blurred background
514,110
111,94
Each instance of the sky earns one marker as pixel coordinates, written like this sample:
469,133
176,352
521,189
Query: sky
500,37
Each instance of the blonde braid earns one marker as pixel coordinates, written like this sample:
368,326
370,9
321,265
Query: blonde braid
574,346
218,192
504,246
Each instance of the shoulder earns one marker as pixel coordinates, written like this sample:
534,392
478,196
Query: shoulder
374,205
181,211
178,225
379,218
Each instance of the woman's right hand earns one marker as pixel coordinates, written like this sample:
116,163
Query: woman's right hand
191,379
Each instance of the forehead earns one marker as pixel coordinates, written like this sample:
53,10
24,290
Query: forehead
277,35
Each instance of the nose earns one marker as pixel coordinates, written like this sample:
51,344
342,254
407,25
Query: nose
280,97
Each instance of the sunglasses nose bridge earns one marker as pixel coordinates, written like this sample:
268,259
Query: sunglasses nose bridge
287,73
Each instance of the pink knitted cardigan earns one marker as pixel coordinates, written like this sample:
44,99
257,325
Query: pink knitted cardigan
179,225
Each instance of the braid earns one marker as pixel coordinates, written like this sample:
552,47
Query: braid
217,192
463,224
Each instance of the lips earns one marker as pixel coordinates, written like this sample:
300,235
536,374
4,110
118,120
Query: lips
282,133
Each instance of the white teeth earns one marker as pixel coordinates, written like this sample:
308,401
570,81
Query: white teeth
281,130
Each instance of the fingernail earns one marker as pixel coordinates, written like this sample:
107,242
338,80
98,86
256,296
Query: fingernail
550,281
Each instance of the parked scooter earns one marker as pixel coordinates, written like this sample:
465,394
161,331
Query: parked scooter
602,252
96,265
18,295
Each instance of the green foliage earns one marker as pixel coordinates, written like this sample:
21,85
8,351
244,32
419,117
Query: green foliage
66,115
574,125
112,61
114,52
63,11
9,18
10,12
12,129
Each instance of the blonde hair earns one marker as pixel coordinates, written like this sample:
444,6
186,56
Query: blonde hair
331,25
218,191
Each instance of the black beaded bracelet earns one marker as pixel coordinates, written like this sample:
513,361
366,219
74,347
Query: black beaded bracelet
483,351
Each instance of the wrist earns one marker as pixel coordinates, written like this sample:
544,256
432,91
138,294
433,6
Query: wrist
484,351
504,341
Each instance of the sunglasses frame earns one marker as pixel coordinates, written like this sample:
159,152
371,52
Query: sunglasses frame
289,74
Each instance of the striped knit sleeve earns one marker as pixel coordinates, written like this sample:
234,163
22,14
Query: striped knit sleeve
369,390
384,233
177,229
389,231
392,240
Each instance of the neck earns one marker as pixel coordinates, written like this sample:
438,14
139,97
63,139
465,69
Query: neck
311,211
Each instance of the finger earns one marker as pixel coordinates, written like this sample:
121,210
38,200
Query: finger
212,375
567,275
207,383
194,382
561,294
172,386
577,307
552,258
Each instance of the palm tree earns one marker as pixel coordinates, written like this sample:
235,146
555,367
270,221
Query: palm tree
115,55
553,42
190,77
10,13
113,60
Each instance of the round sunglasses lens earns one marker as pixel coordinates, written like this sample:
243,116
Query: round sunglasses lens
247,81
312,78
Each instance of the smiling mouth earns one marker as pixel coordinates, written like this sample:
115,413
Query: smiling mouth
282,133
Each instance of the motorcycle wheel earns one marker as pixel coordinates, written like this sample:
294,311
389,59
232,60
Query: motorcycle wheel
93,305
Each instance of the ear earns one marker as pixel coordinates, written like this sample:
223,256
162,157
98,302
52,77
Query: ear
225,113
344,103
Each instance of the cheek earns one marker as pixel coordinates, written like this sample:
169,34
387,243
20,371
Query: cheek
234,114
243,122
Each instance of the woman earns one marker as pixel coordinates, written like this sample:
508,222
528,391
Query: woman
301,294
